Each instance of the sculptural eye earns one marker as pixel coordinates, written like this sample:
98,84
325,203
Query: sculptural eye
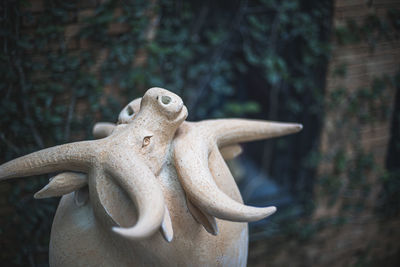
146,141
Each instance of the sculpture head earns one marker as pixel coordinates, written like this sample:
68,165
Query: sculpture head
149,126
165,102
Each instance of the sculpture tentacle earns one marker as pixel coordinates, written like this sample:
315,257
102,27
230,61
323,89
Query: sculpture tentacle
166,226
103,129
208,221
191,152
233,131
230,151
73,157
140,184
61,184
222,175
193,145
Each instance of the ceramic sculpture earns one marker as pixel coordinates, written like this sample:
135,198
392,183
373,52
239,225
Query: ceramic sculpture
154,190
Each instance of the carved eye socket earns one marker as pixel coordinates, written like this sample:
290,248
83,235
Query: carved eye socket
166,100
146,141
130,111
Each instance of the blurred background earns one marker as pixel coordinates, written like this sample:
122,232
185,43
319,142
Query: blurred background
332,65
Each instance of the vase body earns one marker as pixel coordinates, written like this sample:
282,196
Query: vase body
81,237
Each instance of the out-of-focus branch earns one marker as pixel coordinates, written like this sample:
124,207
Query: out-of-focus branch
25,105
71,108
149,35
23,87
217,55
9,144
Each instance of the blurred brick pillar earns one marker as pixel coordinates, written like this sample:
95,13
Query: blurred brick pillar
345,229
355,137
362,63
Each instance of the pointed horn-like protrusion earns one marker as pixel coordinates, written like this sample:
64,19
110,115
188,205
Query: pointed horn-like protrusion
62,184
209,223
166,227
191,158
233,131
103,129
231,151
73,157
133,175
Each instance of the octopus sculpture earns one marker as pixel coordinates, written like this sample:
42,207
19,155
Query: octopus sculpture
153,190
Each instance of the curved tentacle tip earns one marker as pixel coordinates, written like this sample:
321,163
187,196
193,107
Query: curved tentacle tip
61,184
135,233
42,193
270,210
166,227
130,233
261,213
167,235
299,127
291,128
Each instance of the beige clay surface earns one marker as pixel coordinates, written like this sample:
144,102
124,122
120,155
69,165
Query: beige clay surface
153,191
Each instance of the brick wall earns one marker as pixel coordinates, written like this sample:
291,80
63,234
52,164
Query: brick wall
350,230
365,236
10,249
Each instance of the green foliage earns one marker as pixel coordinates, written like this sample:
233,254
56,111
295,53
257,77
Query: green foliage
372,29
356,175
40,87
215,54
240,108
363,106
368,104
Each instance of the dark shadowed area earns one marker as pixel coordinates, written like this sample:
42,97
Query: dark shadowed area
332,65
